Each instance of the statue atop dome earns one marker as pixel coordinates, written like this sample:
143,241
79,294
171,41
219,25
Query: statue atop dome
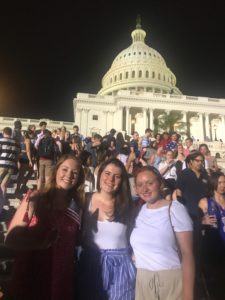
138,22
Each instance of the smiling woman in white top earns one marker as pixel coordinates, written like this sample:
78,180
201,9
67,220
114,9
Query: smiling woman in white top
106,270
162,229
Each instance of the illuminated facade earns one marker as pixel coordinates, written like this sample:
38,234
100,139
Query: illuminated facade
135,90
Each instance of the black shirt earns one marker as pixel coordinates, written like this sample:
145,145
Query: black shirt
193,189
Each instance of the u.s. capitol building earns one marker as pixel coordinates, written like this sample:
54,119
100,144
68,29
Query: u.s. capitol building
135,91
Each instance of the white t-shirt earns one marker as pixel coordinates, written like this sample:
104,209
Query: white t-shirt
171,173
153,240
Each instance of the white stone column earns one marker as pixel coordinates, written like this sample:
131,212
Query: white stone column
127,119
85,121
144,117
130,124
207,132
151,118
87,127
114,119
105,116
119,119
201,131
111,119
184,120
78,117
81,120
223,126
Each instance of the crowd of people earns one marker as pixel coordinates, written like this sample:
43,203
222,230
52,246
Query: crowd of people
113,217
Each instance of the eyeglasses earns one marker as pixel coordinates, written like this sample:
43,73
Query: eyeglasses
198,160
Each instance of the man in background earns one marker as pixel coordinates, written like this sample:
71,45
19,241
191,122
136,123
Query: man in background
9,156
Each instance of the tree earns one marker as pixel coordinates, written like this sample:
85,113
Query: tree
172,121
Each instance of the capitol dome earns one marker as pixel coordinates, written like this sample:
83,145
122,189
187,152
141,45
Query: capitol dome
139,68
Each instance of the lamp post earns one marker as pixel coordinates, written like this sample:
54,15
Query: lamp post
215,128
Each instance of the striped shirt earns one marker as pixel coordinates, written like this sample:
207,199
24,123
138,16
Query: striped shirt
9,153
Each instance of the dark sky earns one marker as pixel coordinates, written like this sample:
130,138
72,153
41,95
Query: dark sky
50,52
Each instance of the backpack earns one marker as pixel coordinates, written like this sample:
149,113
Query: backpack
47,148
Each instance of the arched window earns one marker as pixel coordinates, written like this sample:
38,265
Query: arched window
140,74
133,74
147,74
153,74
159,76
126,75
115,78
120,76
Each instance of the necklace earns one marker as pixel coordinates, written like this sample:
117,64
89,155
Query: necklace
106,209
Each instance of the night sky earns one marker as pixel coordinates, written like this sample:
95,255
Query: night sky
50,52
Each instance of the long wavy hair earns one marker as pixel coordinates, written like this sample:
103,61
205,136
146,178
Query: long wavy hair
76,192
123,204
213,182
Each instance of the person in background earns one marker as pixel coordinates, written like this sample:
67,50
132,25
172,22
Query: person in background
168,170
134,144
191,187
213,235
93,148
192,184
32,128
162,227
120,142
89,184
172,145
43,231
158,138
180,158
17,132
145,141
77,134
158,157
65,143
47,153
105,265
9,156
164,140
188,146
76,145
26,164
43,126
210,161
110,142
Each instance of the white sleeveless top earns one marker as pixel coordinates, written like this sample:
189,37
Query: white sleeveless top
110,235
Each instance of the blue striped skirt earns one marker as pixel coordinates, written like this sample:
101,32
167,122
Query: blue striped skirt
106,275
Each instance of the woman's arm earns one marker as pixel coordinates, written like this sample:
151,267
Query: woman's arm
130,159
185,242
206,219
19,236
